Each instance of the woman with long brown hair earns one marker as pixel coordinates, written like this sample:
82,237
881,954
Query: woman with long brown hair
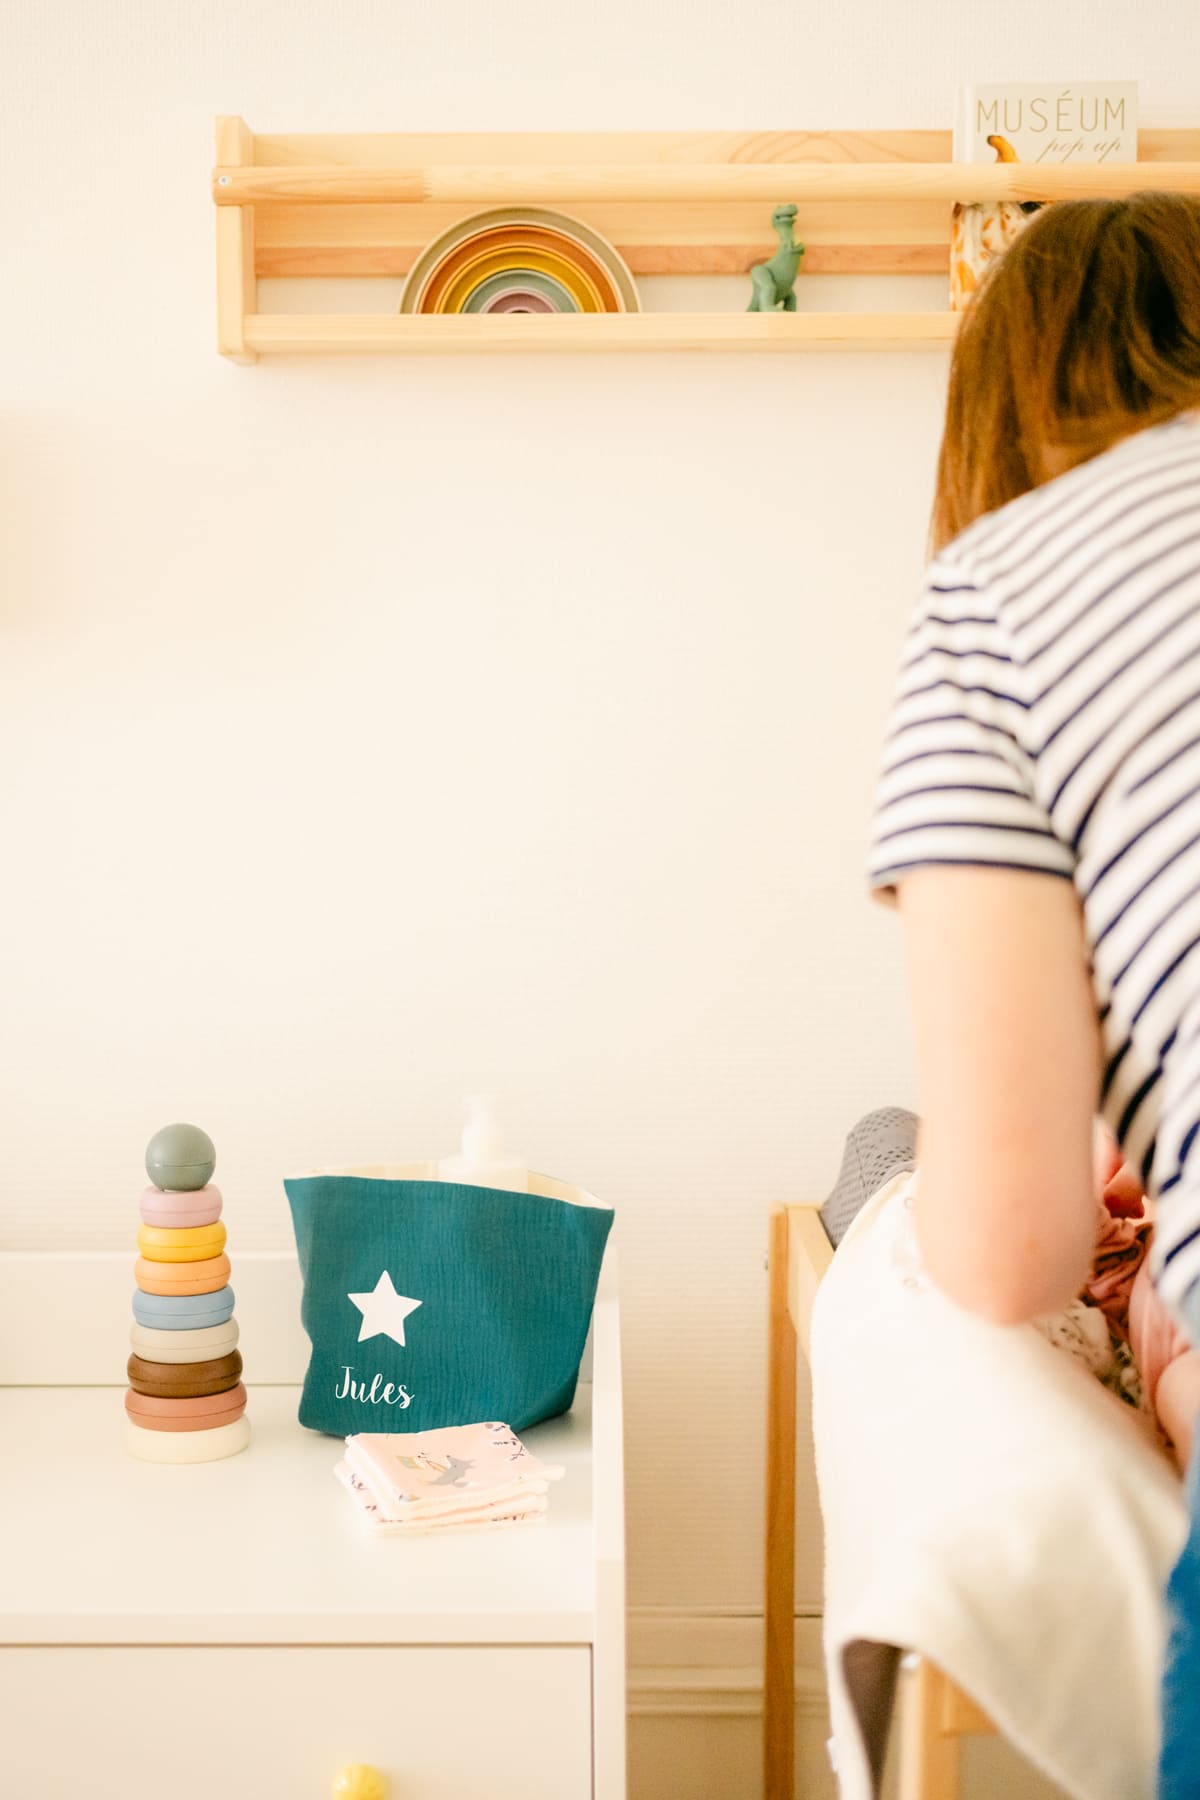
1038,814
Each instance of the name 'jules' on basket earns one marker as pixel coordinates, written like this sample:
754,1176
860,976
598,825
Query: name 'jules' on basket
377,1393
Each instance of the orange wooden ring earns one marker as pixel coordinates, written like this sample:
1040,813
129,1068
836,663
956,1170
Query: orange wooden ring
182,1278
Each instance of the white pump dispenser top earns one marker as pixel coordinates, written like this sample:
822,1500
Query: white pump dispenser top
484,1162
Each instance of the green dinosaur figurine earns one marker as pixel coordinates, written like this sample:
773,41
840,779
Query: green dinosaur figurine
774,282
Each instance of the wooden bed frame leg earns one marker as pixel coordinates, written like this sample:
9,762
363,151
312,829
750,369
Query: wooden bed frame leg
930,1750
779,1674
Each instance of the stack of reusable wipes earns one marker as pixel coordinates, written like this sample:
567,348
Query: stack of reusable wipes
461,1476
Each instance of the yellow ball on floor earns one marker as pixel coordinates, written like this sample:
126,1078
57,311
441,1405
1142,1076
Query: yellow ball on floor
359,1781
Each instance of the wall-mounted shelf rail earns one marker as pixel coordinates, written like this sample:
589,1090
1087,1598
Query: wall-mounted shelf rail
323,332
673,203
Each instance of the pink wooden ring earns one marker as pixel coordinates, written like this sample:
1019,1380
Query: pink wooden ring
155,1413
200,1207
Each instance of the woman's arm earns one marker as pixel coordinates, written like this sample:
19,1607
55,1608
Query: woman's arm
1008,1059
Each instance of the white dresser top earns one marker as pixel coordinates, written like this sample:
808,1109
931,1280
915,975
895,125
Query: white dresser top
264,1547
97,1547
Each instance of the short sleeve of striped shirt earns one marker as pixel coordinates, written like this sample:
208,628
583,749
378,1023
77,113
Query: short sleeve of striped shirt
956,786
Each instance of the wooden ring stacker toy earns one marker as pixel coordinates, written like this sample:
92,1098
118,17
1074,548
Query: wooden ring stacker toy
182,1278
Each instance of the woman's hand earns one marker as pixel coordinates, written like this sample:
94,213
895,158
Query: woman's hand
1118,1185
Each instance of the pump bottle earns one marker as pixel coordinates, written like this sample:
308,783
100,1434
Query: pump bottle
484,1162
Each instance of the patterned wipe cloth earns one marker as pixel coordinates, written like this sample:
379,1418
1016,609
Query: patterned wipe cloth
466,1475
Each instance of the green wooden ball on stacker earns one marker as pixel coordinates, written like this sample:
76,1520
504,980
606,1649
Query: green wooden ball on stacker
180,1158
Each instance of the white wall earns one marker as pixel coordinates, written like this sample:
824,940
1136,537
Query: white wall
376,730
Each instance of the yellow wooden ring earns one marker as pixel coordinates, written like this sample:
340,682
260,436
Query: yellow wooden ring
181,1278
181,1243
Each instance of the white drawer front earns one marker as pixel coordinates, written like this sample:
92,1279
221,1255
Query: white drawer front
243,1724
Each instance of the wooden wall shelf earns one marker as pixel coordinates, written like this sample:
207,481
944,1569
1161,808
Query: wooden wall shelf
323,332
674,203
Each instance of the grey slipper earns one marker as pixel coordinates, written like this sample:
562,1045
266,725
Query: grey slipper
882,1144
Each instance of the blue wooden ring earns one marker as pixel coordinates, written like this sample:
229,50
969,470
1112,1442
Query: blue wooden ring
182,1312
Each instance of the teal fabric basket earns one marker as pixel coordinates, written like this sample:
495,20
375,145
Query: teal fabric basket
431,1303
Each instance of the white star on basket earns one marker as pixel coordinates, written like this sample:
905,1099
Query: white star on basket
383,1311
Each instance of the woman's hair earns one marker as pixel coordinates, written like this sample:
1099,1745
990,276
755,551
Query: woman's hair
1087,328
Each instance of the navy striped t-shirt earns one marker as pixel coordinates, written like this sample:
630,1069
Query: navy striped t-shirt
1047,718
